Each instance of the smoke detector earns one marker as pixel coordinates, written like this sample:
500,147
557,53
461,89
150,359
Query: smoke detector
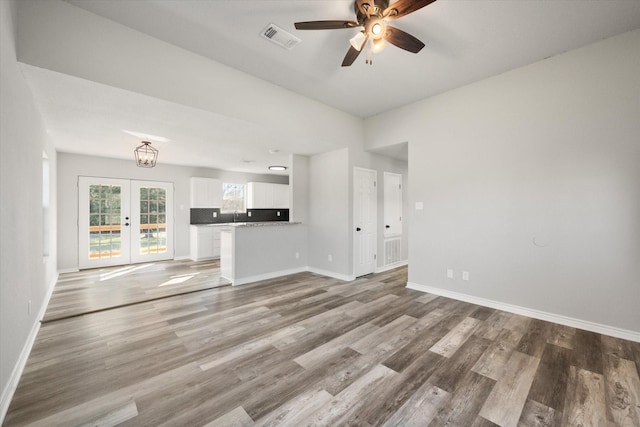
280,37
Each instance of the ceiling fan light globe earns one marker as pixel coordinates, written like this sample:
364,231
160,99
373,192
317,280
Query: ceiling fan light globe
376,29
378,45
357,41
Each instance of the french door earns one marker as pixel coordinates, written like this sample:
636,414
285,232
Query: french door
124,221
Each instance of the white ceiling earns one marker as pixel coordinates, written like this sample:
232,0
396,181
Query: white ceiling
466,41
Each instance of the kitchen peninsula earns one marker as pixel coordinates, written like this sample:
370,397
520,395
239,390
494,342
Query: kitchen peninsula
255,251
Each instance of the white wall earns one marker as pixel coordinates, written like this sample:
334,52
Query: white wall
331,208
380,164
299,189
329,223
110,53
531,182
263,251
25,275
70,166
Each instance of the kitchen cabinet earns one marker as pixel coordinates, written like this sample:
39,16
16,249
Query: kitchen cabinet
264,195
205,242
206,193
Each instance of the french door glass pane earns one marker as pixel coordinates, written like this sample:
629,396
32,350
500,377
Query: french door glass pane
104,221
153,231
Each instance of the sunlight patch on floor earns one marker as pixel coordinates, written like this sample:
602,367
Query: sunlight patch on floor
122,271
176,280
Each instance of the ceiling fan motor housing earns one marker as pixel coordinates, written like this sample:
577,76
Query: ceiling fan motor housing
375,7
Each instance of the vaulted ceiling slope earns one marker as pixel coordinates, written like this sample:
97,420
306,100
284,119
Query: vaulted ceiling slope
200,74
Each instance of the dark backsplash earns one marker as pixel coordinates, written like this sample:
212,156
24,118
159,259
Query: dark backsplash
205,216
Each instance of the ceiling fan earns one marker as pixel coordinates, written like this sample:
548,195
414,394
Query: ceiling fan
373,15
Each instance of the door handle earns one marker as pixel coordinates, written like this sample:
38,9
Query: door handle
387,226
126,223
357,228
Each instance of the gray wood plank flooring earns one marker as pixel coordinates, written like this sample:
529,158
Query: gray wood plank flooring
307,350
98,289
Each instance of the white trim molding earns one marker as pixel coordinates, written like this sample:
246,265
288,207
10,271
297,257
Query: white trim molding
18,368
274,274
391,266
266,276
346,278
530,312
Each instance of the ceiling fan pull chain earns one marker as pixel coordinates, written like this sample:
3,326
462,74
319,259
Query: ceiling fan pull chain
368,61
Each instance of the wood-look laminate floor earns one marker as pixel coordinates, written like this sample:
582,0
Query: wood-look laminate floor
98,289
310,350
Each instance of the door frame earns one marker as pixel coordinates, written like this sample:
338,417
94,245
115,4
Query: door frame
387,176
374,215
134,222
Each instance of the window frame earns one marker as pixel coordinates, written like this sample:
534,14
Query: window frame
224,209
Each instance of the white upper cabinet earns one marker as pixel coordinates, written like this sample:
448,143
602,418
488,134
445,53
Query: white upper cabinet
263,195
206,193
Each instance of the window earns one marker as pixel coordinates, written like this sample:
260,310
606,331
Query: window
232,197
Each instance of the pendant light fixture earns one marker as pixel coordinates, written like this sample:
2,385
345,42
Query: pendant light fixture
146,155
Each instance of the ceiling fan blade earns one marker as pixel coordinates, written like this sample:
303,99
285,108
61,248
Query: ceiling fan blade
353,53
325,25
403,40
350,57
404,7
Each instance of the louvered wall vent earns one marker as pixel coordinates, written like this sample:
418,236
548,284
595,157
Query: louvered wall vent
392,251
280,37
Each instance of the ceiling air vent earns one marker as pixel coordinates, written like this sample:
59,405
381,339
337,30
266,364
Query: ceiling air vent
280,37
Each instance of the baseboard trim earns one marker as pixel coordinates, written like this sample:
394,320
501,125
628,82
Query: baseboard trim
68,270
14,378
529,312
391,266
328,273
267,276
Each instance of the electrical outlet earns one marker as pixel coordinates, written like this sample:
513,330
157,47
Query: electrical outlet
249,213
297,255
278,213
215,214
465,275
450,273
330,258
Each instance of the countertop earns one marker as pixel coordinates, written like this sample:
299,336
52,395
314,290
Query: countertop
249,224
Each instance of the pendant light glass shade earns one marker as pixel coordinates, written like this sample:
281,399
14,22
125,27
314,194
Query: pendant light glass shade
146,155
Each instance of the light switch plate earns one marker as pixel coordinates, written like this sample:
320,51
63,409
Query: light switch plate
419,206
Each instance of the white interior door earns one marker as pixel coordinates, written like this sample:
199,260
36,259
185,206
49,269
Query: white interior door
392,204
365,220
122,221
103,222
